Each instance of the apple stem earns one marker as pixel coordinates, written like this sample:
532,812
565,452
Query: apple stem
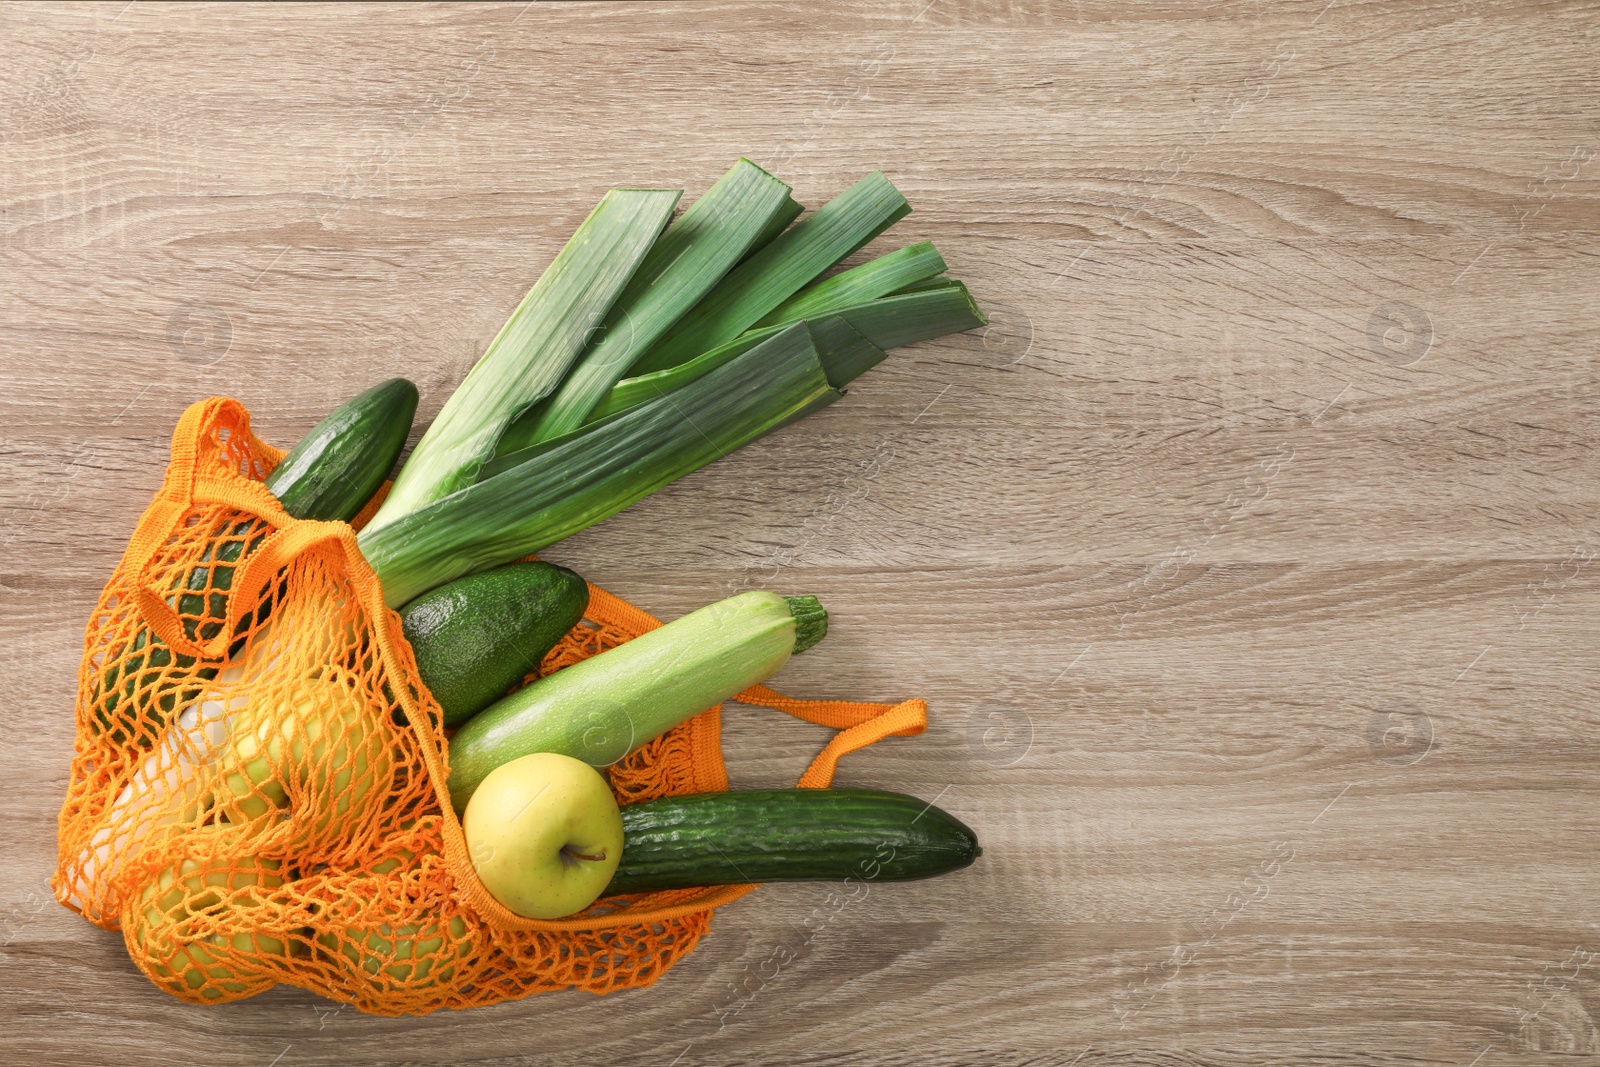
568,850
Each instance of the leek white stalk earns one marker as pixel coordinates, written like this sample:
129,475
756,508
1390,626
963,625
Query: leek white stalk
163,791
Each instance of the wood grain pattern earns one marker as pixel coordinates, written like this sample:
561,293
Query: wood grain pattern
1246,560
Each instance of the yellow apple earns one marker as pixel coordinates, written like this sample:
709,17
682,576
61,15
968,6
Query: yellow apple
544,834
321,740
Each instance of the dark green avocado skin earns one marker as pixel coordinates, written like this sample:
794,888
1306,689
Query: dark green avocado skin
477,636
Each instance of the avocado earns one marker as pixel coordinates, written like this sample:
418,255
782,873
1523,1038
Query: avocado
477,636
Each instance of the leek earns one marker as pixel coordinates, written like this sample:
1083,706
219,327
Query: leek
845,353
694,253
532,352
596,472
879,277
906,318
631,392
772,275
899,319
834,350
791,210
926,284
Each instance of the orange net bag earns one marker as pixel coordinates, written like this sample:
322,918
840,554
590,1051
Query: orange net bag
258,788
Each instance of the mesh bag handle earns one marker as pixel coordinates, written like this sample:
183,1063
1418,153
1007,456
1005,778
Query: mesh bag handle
186,486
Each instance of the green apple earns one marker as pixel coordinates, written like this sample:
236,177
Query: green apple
406,952
216,964
544,834
320,743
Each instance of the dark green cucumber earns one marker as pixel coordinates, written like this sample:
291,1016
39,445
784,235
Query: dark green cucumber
333,471
329,474
477,636
787,835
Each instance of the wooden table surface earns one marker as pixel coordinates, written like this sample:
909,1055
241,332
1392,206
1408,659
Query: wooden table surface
1245,560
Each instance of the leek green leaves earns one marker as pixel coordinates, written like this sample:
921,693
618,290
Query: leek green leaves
532,352
647,351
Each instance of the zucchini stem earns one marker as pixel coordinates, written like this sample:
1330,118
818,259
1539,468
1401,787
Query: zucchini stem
810,621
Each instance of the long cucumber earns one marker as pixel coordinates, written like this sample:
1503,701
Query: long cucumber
602,708
787,835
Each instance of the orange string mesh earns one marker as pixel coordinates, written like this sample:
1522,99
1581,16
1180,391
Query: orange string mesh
258,791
